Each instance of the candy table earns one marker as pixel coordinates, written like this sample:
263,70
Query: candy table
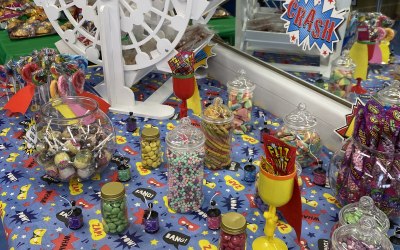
32,210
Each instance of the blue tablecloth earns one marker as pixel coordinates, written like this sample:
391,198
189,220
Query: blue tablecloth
29,205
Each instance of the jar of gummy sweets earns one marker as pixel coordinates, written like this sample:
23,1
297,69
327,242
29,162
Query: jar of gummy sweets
185,155
299,131
113,208
151,148
342,74
240,101
361,236
233,232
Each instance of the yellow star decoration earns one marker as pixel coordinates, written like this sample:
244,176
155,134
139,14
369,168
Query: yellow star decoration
190,248
237,175
316,227
243,160
37,169
313,191
14,236
32,179
98,211
216,174
52,204
256,213
4,194
47,218
155,202
160,123
204,232
154,242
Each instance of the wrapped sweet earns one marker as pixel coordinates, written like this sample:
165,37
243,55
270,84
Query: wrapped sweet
342,74
74,139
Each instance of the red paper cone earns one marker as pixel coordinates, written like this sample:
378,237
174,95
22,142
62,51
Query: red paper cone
20,102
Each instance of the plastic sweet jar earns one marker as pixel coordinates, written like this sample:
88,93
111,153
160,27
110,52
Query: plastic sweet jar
151,148
185,154
74,138
299,131
113,208
352,213
342,74
233,232
360,236
240,101
216,124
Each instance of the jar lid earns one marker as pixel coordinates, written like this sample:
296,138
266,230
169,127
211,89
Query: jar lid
360,234
150,132
185,136
300,118
353,212
345,60
241,82
112,190
217,112
391,94
233,223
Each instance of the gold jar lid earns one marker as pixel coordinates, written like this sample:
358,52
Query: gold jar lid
112,191
233,223
150,133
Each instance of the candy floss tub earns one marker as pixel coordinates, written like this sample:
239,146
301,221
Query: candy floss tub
74,138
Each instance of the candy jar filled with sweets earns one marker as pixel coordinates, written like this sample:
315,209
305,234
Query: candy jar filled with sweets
113,208
151,148
233,232
299,131
74,138
361,236
240,94
352,213
390,96
342,74
216,124
185,155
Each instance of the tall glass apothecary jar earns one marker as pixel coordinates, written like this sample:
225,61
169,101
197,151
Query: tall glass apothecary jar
299,131
342,74
113,208
185,155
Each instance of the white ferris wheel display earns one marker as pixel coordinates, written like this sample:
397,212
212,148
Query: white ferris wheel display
129,38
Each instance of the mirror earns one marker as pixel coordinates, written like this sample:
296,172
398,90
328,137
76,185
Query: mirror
260,33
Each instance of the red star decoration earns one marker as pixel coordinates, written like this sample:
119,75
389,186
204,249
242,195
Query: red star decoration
293,38
26,204
114,176
310,217
64,240
105,247
331,1
325,52
45,196
139,216
27,229
15,187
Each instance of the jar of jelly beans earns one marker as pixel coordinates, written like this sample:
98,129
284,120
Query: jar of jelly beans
233,232
151,148
299,131
342,74
113,208
361,236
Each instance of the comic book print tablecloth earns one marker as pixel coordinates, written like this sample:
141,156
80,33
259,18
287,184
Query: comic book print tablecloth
31,208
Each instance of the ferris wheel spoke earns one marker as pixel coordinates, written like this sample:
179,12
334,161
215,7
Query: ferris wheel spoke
134,41
69,5
160,13
127,6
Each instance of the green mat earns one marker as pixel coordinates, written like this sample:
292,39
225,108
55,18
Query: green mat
10,49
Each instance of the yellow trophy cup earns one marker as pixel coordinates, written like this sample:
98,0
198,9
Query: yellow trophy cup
275,191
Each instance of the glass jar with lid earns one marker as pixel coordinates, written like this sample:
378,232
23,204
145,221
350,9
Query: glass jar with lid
151,148
390,96
361,235
299,131
216,124
233,232
185,154
240,101
342,74
113,208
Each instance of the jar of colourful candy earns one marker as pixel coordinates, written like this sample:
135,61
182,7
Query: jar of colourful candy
342,74
185,155
151,148
299,131
361,236
390,96
352,213
72,138
113,208
240,94
217,126
233,232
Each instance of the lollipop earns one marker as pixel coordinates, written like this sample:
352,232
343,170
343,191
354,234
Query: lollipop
39,77
78,80
62,85
27,71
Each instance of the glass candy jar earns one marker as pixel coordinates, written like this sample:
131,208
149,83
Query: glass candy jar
299,131
113,208
74,138
358,170
240,101
217,126
185,155
390,96
151,148
360,236
233,232
342,74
